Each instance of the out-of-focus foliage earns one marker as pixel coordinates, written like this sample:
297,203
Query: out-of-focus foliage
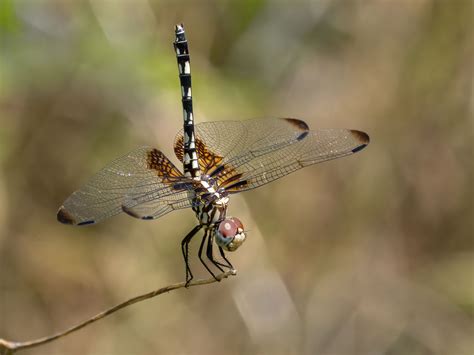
371,254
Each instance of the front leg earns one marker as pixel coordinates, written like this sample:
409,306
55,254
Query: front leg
210,254
229,265
206,236
185,252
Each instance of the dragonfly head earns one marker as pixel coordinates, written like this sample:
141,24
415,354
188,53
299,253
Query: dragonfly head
230,234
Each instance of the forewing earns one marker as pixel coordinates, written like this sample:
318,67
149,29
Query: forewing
318,146
248,154
223,145
144,177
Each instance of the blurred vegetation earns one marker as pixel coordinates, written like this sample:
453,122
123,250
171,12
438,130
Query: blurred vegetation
372,254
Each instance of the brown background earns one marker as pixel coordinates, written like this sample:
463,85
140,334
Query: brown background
371,254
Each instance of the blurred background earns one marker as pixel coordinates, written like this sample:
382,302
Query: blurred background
371,254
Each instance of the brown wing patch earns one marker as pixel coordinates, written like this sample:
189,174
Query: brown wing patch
210,163
227,176
163,167
236,186
207,159
179,148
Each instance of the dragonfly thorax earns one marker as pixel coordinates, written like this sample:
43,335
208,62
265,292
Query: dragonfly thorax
210,192
210,201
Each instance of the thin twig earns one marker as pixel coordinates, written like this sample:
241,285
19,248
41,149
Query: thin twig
9,347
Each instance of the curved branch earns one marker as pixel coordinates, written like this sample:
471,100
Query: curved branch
9,347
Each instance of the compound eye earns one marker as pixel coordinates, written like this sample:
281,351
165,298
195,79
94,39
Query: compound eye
229,227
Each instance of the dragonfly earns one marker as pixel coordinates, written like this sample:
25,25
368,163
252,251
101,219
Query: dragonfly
219,159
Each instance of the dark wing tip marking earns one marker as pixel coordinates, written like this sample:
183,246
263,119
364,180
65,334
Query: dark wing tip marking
300,125
63,216
302,136
85,223
130,212
359,148
362,137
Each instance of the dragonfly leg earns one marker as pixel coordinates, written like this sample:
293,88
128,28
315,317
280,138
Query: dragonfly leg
210,254
206,236
229,265
185,251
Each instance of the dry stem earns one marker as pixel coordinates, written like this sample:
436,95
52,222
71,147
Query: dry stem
9,347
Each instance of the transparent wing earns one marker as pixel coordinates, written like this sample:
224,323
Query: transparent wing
318,146
233,143
246,154
142,183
